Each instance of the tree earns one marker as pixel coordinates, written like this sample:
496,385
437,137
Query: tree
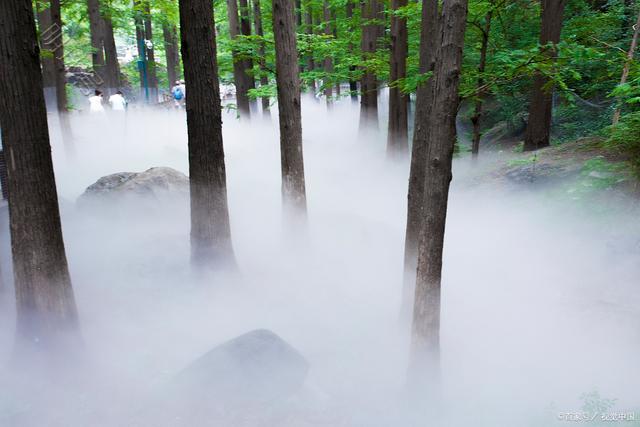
428,37
540,109
45,305
152,77
210,228
264,78
111,65
627,65
353,83
245,30
96,29
397,136
288,87
104,56
171,51
240,76
477,109
311,66
369,83
441,136
328,62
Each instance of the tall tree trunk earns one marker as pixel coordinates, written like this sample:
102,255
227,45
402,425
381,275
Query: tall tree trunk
264,79
298,14
50,36
239,73
311,66
627,65
245,29
428,46
328,63
142,55
210,229
288,85
369,83
170,35
152,77
45,305
477,109
96,29
398,132
353,84
112,67
540,109
441,136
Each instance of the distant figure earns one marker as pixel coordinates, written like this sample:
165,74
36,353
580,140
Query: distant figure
179,93
117,102
95,102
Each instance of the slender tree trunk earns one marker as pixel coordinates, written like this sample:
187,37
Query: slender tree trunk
477,110
540,109
441,136
239,73
142,55
298,14
428,37
288,84
353,84
152,77
245,29
311,66
264,79
96,29
328,63
170,36
49,38
46,310
369,83
112,67
627,65
210,230
398,132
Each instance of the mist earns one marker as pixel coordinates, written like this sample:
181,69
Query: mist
540,301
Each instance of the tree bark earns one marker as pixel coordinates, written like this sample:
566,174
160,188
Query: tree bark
210,230
264,79
49,37
369,83
152,77
328,62
540,110
441,136
170,35
112,67
142,55
288,84
627,65
428,37
96,29
239,73
398,132
45,305
245,29
477,109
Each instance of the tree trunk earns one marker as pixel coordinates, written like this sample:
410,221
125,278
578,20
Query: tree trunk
477,109
398,132
428,36
369,84
46,310
239,73
441,136
328,63
311,66
627,65
245,29
97,48
152,77
264,79
540,109
353,84
170,35
288,84
142,56
210,229
50,36
112,67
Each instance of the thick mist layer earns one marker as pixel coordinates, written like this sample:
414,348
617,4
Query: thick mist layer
540,296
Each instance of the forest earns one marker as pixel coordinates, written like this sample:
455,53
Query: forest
319,212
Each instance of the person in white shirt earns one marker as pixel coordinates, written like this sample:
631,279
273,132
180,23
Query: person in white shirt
95,102
117,102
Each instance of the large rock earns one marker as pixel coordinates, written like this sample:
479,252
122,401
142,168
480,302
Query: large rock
155,184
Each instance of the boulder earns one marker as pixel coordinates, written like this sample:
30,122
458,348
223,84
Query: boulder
154,184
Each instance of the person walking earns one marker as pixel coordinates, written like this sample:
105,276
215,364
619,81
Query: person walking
95,102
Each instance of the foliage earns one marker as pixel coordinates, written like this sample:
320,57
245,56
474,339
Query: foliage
624,138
